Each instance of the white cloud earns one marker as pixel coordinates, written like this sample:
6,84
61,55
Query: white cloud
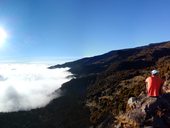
27,86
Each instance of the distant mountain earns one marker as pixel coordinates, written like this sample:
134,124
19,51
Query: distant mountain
98,92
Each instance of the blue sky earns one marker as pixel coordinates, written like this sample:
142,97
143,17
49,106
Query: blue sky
51,29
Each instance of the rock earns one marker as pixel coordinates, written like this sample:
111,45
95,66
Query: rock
147,112
132,102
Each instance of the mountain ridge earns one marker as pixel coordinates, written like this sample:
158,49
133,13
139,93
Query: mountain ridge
110,56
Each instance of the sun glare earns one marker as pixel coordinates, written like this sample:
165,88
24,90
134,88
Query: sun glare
3,36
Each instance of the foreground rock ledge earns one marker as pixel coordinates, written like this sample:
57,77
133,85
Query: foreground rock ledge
144,112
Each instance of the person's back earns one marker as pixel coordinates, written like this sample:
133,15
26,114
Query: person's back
153,84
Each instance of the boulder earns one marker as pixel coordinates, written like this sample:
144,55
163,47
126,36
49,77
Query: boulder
146,112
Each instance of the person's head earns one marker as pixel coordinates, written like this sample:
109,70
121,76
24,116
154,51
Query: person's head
154,72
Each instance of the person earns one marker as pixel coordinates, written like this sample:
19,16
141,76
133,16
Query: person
153,87
154,83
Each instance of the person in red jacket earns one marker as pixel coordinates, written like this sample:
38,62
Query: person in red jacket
154,83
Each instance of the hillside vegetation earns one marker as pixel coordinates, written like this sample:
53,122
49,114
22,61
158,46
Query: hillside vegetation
119,75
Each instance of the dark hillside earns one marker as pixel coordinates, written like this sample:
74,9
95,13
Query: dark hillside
120,75
99,92
125,79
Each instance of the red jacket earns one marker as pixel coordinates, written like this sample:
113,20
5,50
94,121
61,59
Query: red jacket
153,85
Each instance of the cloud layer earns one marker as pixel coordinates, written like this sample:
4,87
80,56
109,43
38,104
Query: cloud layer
27,86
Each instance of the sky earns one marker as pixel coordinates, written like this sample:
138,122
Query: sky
72,29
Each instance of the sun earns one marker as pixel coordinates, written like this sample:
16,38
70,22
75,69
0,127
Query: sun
3,36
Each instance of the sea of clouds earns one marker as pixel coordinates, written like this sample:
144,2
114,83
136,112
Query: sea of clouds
28,86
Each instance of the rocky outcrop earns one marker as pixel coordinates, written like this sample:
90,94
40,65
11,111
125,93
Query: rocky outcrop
144,112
